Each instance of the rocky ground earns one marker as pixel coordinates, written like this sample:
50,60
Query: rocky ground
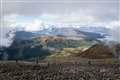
59,71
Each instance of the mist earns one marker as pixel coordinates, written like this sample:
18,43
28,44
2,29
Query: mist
113,40
6,36
115,34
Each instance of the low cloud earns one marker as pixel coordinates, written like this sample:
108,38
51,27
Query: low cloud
6,36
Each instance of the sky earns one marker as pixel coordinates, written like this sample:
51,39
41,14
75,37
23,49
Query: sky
60,11
31,15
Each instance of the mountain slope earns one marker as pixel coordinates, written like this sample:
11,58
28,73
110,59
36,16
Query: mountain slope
98,51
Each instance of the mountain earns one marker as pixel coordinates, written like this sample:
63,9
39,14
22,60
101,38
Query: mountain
41,43
23,35
90,33
98,51
94,29
101,51
51,28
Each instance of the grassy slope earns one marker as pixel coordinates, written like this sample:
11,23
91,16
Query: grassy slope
70,51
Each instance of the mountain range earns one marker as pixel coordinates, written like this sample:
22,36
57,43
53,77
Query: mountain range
41,43
81,32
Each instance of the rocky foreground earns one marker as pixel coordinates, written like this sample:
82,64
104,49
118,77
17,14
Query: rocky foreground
59,71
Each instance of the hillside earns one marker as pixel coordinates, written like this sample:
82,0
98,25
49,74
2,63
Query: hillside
98,51
66,53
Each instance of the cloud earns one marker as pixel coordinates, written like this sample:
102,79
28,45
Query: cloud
7,32
34,26
6,36
73,18
105,11
29,23
46,20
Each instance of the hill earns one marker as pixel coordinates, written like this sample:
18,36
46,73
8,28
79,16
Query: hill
102,51
98,51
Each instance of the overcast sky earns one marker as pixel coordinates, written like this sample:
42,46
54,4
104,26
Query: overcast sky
62,11
32,14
